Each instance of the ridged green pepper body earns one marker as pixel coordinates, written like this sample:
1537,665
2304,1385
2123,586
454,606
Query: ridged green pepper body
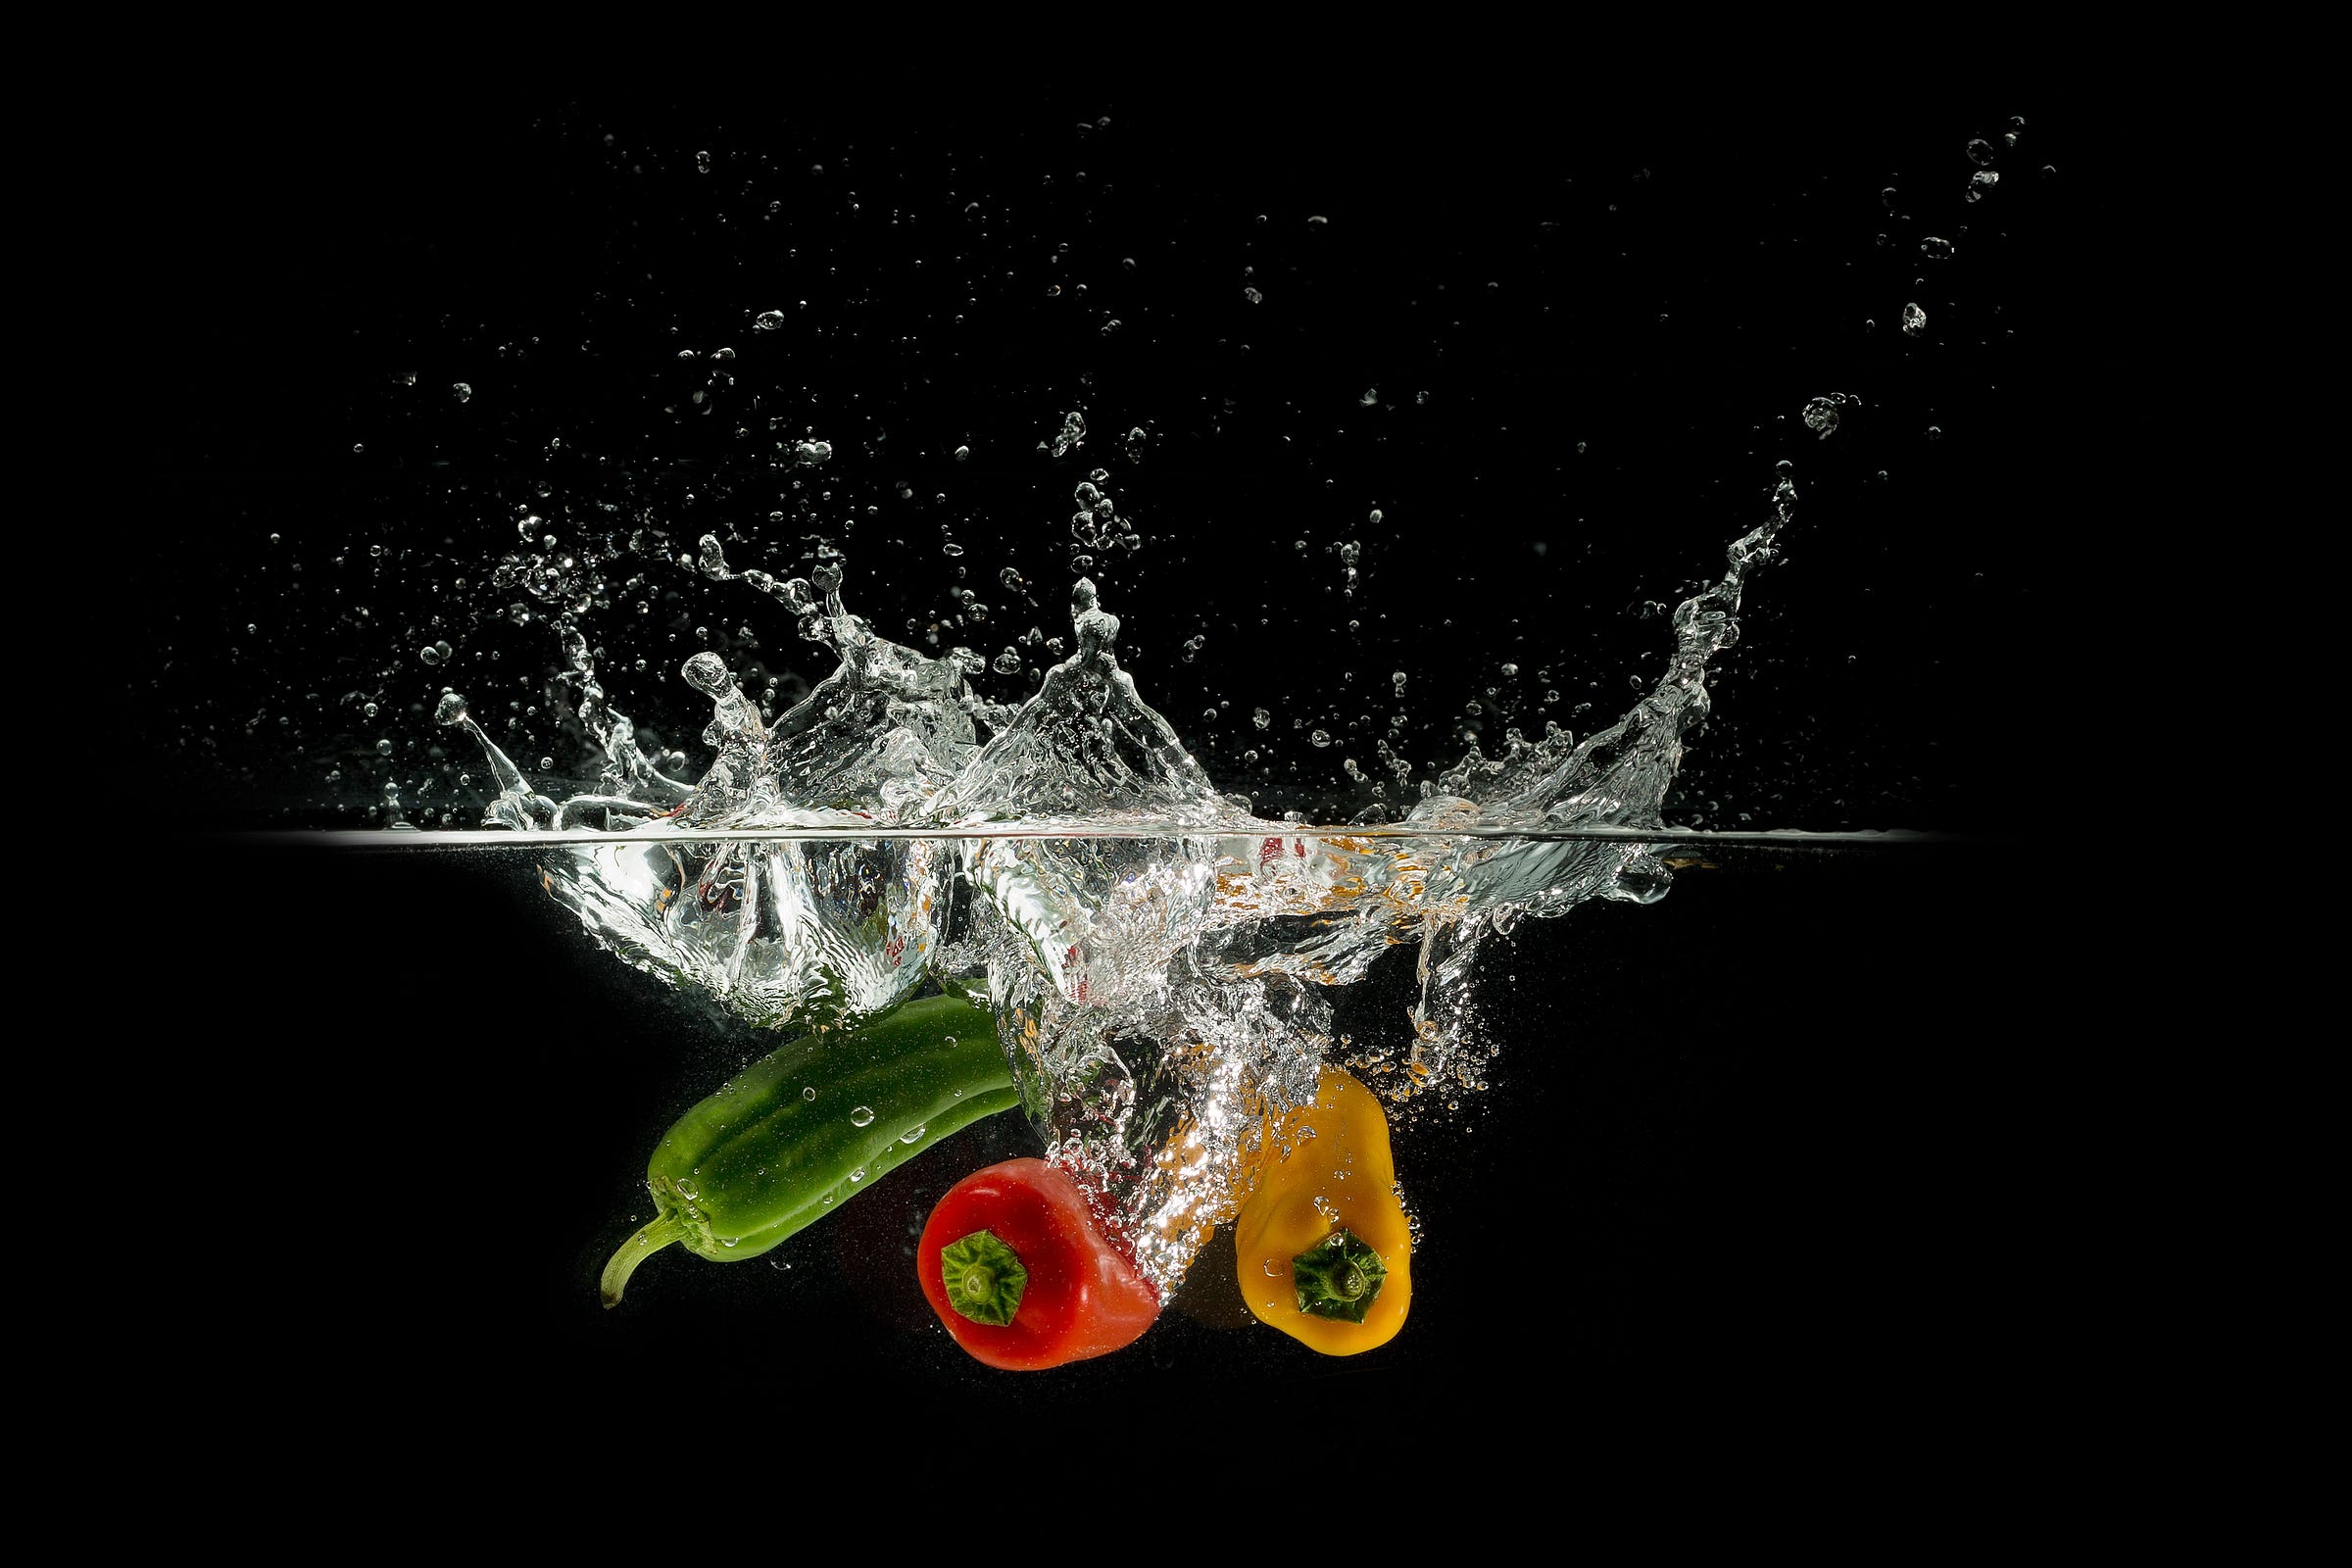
790,1137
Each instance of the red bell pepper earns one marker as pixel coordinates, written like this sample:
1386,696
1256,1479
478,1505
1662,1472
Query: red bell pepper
1022,1274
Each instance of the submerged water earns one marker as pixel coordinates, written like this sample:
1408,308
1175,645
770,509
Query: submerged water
1784,1121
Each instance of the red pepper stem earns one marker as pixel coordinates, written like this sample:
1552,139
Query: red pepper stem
656,1234
984,1278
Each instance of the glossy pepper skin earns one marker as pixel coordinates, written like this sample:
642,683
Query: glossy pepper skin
764,1158
1059,1289
1342,1179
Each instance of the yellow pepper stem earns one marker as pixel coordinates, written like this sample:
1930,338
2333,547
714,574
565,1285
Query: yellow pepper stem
1339,1277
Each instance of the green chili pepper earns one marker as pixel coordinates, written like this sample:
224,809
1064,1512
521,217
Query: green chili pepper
811,1125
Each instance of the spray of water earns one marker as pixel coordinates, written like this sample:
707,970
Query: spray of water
1158,959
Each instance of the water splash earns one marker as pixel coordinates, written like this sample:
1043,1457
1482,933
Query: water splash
1161,995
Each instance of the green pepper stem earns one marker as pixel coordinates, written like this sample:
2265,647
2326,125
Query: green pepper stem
653,1236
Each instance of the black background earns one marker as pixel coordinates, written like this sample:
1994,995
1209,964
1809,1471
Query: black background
1789,1130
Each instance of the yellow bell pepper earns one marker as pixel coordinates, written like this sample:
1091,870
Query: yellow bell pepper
1321,1245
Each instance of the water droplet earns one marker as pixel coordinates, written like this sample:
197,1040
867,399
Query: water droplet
1261,718
856,1176
1979,151
809,1093
1915,321
461,390
1821,415
863,1116
1320,737
914,1137
1935,249
768,321
383,747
